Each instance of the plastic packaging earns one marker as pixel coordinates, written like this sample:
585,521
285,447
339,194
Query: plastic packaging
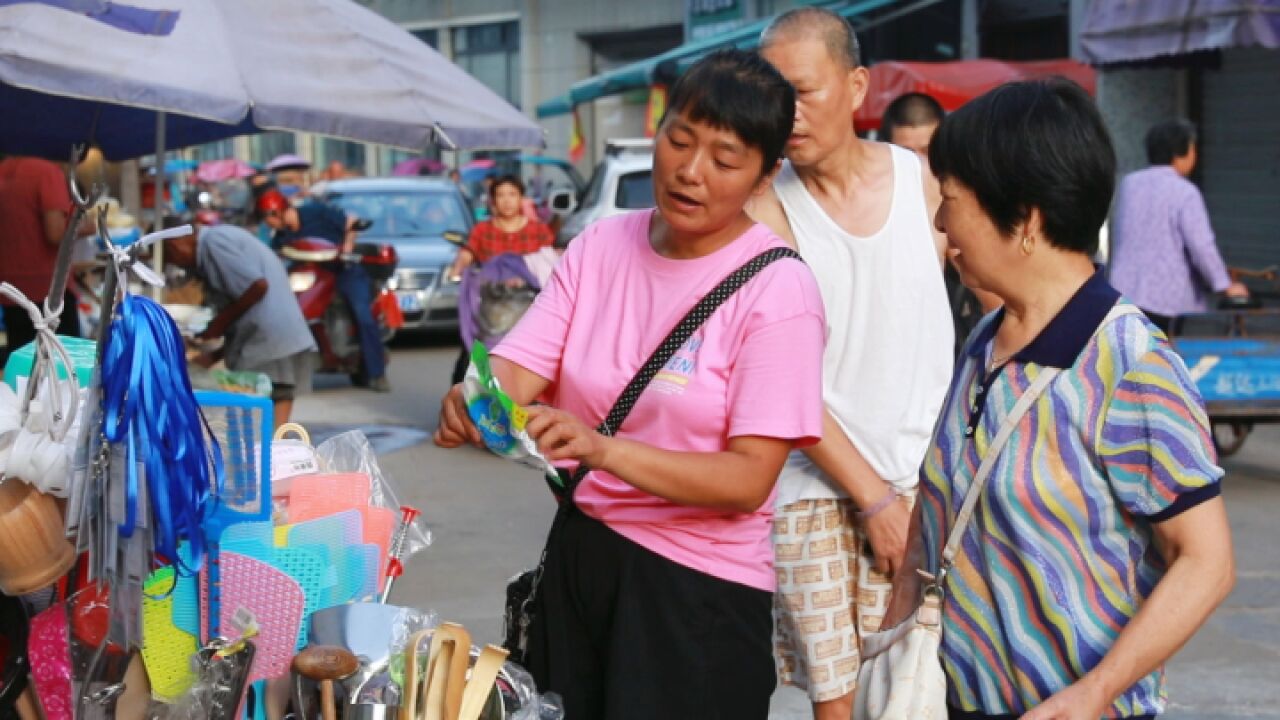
500,420
351,452
222,670
242,381
521,699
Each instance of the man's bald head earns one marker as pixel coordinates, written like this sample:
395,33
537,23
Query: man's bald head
815,23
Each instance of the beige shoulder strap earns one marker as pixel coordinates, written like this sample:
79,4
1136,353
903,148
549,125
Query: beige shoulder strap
992,454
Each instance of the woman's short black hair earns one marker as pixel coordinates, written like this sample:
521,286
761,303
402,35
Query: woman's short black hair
1168,140
738,91
1033,144
501,180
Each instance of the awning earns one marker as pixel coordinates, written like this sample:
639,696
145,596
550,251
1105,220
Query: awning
558,105
666,67
954,83
1125,31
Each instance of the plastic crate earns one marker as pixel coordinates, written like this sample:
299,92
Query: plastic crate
243,426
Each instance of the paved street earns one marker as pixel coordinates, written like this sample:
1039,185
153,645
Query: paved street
489,518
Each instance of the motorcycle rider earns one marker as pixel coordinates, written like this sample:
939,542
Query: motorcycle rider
315,218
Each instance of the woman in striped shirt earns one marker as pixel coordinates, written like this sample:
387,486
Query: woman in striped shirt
1100,543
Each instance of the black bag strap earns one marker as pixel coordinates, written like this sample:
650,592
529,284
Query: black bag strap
678,336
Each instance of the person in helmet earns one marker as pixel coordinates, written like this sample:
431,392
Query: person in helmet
316,218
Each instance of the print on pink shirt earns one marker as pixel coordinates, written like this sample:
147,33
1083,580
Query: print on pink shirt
674,377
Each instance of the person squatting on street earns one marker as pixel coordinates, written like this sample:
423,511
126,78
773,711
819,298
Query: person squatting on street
1163,255
1101,543
315,218
256,310
857,212
657,593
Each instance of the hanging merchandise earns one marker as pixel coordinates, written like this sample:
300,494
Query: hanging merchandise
149,408
34,459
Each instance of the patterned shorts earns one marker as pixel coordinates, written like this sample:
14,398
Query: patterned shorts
828,595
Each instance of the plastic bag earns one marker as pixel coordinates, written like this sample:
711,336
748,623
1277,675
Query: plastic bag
516,682
500,420
352,452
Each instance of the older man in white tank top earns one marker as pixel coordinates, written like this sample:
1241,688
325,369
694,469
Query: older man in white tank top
860,215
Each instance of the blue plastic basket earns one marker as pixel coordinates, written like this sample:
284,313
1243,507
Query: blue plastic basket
243,425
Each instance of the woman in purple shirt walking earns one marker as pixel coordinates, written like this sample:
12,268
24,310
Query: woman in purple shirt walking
1163,256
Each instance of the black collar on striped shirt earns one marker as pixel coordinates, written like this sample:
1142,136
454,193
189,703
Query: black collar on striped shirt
1060,343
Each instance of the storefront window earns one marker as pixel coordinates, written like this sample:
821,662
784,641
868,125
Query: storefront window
268,145
491,53
430,37
214,150
350,154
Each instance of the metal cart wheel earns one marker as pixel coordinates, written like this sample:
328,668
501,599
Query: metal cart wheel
1229,437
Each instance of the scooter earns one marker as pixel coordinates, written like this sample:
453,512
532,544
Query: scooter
314,264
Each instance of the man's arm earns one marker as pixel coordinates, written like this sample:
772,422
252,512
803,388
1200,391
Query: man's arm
55,226
234,311
349,234
840,459
836,455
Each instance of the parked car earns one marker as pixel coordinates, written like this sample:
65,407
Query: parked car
425,219
622,181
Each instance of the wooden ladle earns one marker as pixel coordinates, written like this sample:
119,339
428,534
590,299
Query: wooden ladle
325,664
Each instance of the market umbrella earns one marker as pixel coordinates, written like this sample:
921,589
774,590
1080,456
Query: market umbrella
215,171
99,72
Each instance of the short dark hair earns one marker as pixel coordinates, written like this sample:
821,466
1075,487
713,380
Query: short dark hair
739,91
822,24
912,109
1033,144
501,180
1168,140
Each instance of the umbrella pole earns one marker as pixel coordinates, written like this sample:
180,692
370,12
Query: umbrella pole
161,207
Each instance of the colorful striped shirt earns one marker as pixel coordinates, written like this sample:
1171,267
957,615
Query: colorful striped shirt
1060,555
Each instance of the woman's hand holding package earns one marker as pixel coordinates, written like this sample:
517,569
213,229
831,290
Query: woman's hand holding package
562,436
455,427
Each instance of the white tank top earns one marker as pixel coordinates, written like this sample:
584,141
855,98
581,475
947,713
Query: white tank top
888,358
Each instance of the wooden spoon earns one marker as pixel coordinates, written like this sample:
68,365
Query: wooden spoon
324,664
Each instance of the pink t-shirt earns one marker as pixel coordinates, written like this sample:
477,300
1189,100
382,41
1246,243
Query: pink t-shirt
754,368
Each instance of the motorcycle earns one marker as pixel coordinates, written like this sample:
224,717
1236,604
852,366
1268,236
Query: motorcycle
314,264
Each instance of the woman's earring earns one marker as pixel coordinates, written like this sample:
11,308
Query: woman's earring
1027,245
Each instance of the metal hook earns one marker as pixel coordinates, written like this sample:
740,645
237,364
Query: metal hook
58,287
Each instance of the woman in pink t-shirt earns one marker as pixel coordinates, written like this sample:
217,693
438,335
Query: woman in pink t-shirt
656,600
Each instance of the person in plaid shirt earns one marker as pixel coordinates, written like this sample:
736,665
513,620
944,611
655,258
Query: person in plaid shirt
508,231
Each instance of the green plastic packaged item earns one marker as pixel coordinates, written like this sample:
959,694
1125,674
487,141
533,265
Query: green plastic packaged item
83,353
500,420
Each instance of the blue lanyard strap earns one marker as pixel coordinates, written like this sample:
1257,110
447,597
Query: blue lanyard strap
148,405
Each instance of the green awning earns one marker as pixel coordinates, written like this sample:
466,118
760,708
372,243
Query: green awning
667,66
558,105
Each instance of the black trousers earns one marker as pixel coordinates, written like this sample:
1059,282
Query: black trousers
622,632
20,331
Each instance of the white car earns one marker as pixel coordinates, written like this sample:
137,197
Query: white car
623,181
